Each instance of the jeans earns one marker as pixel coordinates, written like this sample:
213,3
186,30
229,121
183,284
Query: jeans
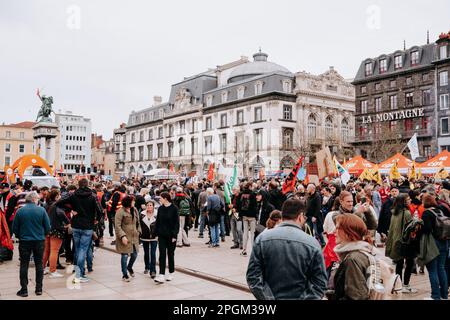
25,250
51,252
437,273
90,256
82,242
124,260
236,230
182,237
215,234
202,223
408,269
150,255
249,226
222,226
111,216
197,218
318,235
166,249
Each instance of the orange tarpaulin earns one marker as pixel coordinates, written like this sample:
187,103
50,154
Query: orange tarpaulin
437,162
403,164
356,165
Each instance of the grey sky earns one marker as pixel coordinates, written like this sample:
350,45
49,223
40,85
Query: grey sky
126,52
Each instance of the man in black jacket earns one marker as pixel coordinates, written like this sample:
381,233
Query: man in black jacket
276,197
86,213
385,214
313,213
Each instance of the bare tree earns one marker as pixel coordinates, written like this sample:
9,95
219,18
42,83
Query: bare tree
385,144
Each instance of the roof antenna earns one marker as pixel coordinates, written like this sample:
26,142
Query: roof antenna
404,45
428,36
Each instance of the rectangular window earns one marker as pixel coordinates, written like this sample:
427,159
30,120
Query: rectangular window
224,96
133,138
132,154
258,88
383,65
258,139
208,123
182,126
444,101
150,134
7,161
363,89
443,78
425,77
170,149
426,97
427,151
171,130
150,152
364,106
409,124
258,114
208,145
414,58
194,146
443,52
21,148
8,134
141,153
378,106
240,117
409,99
393,126
409,81
160,132
287,112
377,86
368,69
444,126
393,83
8,147
398,62
22,135
223,120
141,136
223,143
160,150
194,127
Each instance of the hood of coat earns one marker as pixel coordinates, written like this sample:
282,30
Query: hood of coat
84,193
343,249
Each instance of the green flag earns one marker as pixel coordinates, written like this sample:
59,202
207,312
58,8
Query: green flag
229,184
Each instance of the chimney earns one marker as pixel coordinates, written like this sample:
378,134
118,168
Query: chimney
157,100
331,68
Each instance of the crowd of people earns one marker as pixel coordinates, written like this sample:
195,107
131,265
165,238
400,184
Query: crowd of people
326,239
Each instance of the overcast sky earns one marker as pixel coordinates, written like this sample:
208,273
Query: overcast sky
114,56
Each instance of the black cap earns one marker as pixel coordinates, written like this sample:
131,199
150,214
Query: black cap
4,185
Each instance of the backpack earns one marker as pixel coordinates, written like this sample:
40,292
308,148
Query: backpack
382,282
442,228
245,202
185,207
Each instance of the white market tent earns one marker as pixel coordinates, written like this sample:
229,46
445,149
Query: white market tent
161,174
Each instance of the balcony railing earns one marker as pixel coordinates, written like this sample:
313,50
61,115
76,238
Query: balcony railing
400,135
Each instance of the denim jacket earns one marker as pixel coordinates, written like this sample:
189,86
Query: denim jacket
286,263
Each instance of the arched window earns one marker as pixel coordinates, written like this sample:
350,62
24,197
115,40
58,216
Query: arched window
288,138
345,130
312,127
328,127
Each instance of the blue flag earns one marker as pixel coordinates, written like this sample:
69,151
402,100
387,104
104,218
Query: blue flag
301,175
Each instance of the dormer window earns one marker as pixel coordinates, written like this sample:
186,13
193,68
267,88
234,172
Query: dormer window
161,113
383,65
368,69
443,54
258,87
414,58
287,86
240,92
398,62
209,101
224,96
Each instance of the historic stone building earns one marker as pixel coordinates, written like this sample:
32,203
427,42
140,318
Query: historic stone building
120,147
256,112
402,94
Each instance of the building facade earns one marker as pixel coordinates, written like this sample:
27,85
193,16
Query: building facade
16,140
103,156
395,99
442,71
120,147
75,142
257,113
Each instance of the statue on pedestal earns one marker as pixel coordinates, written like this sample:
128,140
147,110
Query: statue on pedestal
46,108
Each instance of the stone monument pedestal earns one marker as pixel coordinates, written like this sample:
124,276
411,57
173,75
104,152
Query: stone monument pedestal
44,135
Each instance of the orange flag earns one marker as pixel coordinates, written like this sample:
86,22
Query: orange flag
211,172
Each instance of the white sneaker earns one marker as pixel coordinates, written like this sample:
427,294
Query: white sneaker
46,270
160,278
169,277
408,289
54,275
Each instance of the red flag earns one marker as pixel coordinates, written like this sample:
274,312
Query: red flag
171,168
211,172
289,183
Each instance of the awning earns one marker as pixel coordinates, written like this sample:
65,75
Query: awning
356,165
403,164
437,162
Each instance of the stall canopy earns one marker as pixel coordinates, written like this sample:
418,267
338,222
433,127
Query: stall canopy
356,165
403,164
437,162
161,174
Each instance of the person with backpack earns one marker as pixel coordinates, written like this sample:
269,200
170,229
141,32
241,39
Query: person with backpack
185,210
214,208
400,252
360,274
437,226
246,206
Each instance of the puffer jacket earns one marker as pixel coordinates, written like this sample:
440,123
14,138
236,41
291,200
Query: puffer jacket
294,267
